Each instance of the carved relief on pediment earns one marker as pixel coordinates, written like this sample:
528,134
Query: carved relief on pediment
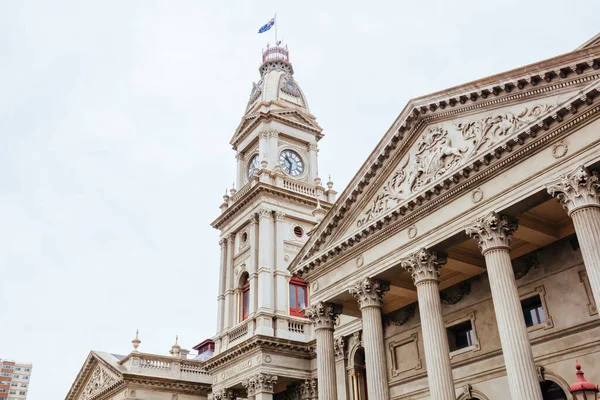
100,379
444,148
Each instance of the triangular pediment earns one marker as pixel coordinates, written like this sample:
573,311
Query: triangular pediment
435,136
292,117
95,379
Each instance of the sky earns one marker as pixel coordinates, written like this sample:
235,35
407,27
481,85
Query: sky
115,121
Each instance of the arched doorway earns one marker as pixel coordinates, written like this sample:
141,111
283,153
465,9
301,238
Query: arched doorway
359,376
552,391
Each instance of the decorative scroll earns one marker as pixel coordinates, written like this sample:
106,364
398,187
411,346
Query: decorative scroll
99,381
400,317
436,154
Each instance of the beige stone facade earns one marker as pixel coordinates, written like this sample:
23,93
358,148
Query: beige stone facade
461,262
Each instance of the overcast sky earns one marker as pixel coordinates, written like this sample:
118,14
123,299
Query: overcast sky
115,119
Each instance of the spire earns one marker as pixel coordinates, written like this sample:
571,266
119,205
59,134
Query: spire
136,341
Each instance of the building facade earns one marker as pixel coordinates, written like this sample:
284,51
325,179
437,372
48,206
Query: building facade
463,259
15,378
142,376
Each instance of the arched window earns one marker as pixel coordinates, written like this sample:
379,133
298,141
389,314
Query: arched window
552,391
245,297
359,376
298,296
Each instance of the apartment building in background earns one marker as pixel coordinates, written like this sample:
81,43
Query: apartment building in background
14,380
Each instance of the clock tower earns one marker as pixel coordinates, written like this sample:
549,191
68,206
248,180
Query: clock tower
265,219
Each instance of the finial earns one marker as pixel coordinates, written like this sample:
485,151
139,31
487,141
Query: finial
319,212
226,196
330,183
582,385
232,191
136,342
175,349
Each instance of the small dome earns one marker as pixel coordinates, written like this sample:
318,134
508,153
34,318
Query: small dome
277,80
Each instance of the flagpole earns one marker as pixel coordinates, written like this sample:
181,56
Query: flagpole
275,19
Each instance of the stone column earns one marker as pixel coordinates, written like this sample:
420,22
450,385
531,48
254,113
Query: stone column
281,274
369,293
340,367
260,386
578,193
221,296
493,233
241,171
273,148
424,266
323,316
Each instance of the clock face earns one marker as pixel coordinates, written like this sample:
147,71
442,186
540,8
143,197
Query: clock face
291,163
252,165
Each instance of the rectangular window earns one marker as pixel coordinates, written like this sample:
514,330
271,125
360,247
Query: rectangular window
298,296
461,336
533,311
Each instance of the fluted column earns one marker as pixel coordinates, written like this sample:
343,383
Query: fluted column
369,293
424,266
260,386
281,273
340,365
578,193
493,233
323,316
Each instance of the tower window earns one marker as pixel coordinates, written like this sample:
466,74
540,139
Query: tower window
298,231
461,335
298,296
245,300
244,237
533,311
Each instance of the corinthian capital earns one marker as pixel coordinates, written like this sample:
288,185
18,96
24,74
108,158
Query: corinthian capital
265,213
492,231
260,383
578,188
369,292
424,266
322,314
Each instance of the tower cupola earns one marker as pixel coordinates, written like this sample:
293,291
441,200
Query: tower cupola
277,81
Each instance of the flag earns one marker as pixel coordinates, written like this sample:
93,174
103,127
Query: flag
267,26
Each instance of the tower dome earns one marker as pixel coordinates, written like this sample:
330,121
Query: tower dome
277,81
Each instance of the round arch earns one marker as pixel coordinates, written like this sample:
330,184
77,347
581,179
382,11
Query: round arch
557,379
475,395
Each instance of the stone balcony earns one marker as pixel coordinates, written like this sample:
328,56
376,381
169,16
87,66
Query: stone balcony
285,327
166,367
280,180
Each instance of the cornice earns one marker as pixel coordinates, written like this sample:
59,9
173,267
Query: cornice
501,156
407,125
279,115
259,188
290,347
167,384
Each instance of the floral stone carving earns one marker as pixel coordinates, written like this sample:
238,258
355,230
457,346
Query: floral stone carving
260,383
492,231
369,292
424,266
578,188
99,381
323,315
435,155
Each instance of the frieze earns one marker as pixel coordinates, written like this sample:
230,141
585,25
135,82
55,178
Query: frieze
100,381
435,155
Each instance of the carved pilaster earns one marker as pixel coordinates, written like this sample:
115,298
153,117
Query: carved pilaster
369,292
339,347
322,315
308,389
492,232
424,266
260,383
222,242
576,189
223,394
279,216
265,213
